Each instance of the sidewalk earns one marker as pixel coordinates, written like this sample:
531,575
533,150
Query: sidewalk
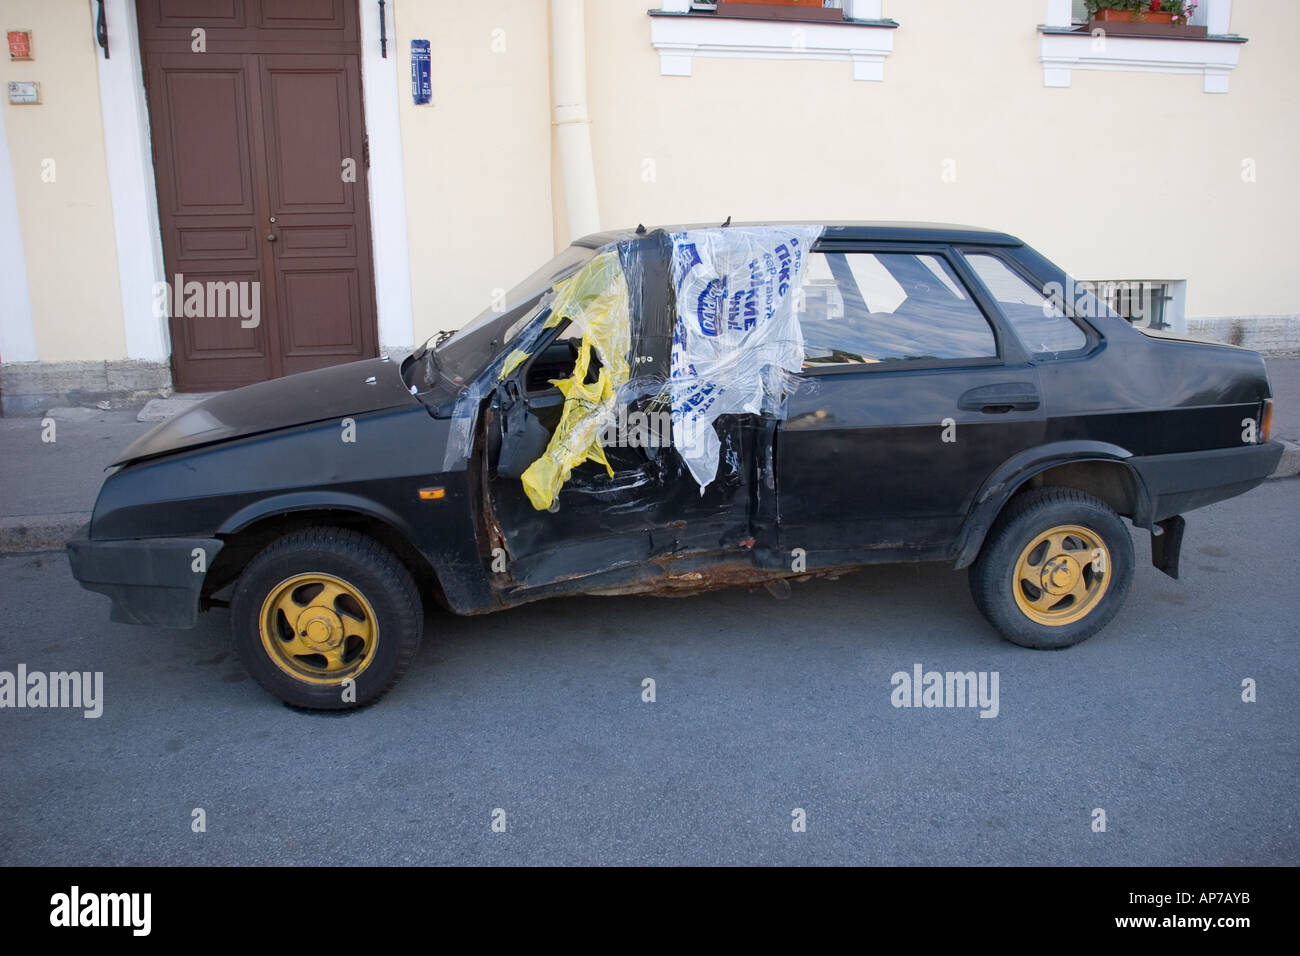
47,489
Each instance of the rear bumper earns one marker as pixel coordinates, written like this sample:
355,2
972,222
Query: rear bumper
1179,483
150,580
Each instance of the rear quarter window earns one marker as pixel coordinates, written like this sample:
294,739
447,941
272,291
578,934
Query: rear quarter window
1038,322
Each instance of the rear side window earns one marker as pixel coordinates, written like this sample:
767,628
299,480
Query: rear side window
1038,321
861,308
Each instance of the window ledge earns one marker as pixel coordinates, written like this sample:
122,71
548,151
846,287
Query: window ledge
1065,49
680,37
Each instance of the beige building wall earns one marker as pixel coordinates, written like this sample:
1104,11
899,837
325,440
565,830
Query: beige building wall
1121,176
477,159
67,222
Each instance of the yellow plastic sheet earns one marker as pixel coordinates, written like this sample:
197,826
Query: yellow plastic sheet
513,361
595,298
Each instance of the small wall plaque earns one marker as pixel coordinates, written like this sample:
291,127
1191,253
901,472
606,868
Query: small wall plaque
23,92
20,45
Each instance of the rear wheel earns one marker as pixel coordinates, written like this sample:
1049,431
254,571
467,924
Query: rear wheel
326,619
1055,568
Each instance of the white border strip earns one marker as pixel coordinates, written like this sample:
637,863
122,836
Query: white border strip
679,39
390,252
17,331
1061,53
131,184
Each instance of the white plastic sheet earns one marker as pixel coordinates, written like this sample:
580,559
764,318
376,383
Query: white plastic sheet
736,340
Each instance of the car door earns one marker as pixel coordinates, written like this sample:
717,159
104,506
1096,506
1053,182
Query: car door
651,509
912,393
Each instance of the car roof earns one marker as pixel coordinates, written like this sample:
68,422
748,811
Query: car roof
880,231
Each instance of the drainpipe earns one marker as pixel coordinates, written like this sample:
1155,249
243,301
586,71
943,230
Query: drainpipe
569,115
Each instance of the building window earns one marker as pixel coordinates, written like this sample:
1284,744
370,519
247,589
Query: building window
684,29
1139,302
1065,45
712,5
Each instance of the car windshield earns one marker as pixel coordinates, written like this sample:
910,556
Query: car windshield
462,356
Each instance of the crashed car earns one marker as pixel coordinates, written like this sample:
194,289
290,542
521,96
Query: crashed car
678,409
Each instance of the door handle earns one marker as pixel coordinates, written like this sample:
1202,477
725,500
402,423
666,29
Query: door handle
1000,398
270,237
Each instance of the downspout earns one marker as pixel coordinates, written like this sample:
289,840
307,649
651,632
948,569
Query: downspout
569,116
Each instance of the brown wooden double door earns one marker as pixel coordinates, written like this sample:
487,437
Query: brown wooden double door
260,160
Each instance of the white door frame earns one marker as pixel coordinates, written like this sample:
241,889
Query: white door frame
127,143
389,247
17,330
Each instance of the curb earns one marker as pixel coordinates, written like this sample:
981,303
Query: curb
1289,465
27,534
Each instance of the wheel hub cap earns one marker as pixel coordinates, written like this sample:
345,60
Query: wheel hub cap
319,628
1061,575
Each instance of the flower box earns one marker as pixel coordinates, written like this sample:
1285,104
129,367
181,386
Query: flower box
1124,26
779,10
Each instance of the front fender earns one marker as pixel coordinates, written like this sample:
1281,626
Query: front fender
321,500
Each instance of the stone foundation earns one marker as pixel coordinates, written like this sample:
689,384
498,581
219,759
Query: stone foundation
29,388
1270,334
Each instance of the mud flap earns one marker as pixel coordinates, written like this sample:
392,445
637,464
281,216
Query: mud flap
1167,544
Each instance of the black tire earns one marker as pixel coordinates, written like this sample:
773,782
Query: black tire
389,609
1024,524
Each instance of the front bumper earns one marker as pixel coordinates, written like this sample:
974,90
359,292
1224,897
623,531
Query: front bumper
153,581
1179,483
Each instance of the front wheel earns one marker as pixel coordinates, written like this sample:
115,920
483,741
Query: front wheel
326,619
1055,568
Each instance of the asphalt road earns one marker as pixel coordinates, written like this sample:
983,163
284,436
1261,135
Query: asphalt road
763,706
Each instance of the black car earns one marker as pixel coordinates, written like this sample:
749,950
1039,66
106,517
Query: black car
682,409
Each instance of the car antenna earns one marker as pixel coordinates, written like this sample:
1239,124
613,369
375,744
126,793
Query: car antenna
727,223
640,229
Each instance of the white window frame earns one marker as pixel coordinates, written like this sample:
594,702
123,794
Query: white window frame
1062,49
681,37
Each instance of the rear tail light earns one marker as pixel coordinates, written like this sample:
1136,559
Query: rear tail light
1266,421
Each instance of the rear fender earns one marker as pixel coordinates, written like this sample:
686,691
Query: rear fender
1012,474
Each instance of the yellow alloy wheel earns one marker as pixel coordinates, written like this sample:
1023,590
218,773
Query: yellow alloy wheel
1061,575
318,628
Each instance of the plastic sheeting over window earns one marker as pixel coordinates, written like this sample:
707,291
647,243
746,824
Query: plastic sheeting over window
737,337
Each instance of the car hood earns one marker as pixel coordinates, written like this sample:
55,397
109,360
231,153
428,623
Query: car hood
335,392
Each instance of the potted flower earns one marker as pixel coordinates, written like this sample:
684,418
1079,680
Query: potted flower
1169,11
1115,11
